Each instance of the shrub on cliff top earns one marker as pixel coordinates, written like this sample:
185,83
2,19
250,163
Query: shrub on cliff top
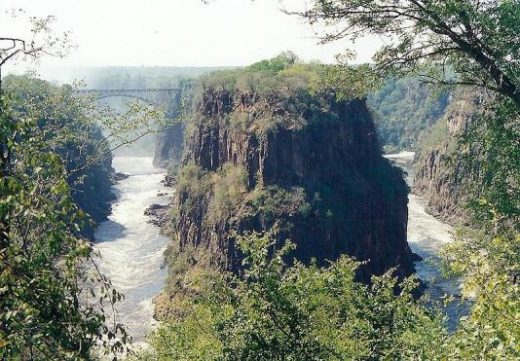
283,73
278,92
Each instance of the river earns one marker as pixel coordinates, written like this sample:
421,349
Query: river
426,237
132,250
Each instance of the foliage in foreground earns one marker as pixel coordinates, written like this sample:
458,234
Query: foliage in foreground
62,120
52,299
280,312
300,312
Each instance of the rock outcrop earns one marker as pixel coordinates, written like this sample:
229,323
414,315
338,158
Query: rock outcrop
302,165
439,175
169,143
158,214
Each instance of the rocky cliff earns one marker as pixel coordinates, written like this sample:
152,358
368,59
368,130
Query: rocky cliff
91,188
440,176
169,143
282,155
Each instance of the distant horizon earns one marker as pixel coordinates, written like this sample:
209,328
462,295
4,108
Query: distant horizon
66,74
178,33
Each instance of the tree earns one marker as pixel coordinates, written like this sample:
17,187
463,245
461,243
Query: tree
42,41
53,301
479,40
52,298
277,312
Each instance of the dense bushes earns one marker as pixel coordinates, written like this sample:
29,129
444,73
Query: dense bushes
298,313
271,93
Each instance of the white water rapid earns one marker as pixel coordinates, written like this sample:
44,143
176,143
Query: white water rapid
131,248
426,237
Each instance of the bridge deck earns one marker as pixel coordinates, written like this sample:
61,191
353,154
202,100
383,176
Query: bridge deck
128,91
157,96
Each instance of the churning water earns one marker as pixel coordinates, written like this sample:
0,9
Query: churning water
426,237
131,248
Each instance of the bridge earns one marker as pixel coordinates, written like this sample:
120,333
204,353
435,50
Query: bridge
157,96
168,98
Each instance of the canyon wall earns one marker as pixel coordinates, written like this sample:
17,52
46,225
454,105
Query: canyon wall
293,161
440,176
169,143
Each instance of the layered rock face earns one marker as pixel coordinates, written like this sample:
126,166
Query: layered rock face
303,167
440,176
169,145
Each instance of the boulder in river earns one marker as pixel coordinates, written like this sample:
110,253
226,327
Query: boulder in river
158,214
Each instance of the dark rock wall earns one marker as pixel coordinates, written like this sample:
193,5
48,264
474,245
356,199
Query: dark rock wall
168,146
358,200
440,176
91,187
169,143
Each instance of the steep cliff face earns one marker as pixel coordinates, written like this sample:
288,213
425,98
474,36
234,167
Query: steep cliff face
440,176
169,143
303,166
168,146
91,188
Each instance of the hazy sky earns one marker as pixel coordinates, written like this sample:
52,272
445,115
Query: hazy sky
178,32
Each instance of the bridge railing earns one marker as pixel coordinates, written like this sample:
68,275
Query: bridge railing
134,91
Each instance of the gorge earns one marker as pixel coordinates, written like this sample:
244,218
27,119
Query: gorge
253,159
236,159
239,166
167,195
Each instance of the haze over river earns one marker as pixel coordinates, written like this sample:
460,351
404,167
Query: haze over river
132,249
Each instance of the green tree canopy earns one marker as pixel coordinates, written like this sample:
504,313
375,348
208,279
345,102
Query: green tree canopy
295,313
479,40
52,298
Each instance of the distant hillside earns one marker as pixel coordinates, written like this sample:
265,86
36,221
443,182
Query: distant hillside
126,77
403,110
